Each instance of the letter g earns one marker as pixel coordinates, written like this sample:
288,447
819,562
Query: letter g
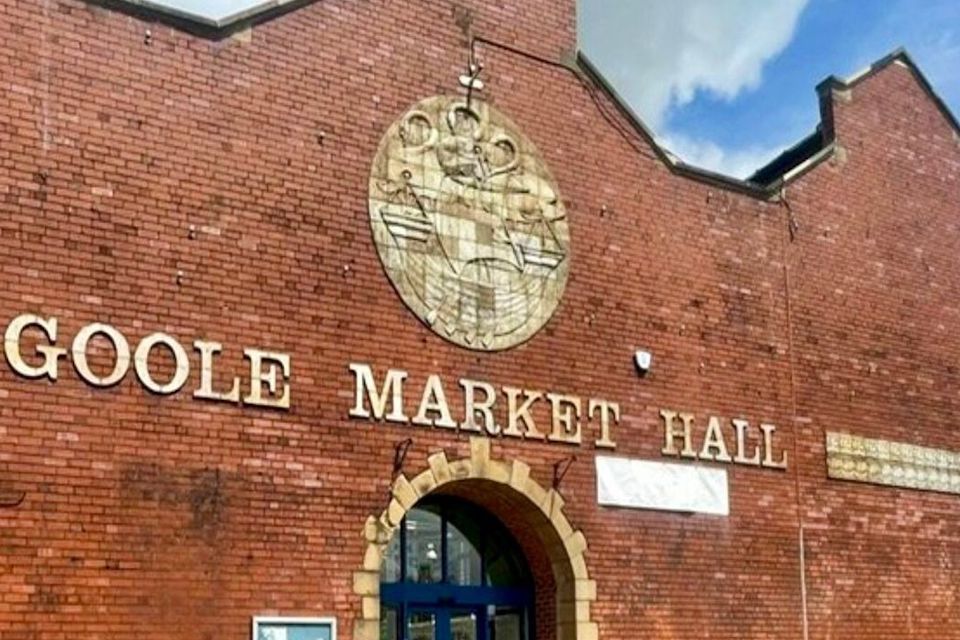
11,346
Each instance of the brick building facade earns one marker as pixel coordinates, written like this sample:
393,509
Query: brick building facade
212,182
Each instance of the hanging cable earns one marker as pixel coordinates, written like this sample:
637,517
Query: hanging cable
584,82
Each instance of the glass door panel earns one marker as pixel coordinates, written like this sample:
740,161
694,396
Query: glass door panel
463,558
424,544
422,625
464,625
506,623
389,623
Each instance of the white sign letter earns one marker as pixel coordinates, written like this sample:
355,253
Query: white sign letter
142,355
120,346
367,390
259,377
11,347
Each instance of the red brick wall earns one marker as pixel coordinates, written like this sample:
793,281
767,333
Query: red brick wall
148,517
875,281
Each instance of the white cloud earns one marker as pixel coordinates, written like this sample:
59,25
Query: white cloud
738,163
660,54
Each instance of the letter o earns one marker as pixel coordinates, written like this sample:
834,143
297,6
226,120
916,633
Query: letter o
142,355
120,346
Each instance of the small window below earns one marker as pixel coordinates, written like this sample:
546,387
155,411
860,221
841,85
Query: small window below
294,628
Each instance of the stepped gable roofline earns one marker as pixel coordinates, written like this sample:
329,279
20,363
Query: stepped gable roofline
765,182
582,63
796,155
198,25
793,162
897,56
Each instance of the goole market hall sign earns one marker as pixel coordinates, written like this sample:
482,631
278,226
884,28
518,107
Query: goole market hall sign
33,350
470,228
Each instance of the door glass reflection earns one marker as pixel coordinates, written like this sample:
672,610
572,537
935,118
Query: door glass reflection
463,559
421,625
388,623
390,569
463,625
423,547
506,623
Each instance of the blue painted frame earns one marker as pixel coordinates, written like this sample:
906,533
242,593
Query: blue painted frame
451,595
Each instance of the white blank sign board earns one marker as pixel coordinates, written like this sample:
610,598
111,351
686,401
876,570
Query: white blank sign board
644,484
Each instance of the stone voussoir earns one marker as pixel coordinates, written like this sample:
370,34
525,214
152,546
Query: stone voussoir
440,467
366,583
404,492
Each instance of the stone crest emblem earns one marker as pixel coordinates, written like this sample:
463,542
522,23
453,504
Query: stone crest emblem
468,223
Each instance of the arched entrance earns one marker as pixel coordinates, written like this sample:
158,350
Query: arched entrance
453,572
540,514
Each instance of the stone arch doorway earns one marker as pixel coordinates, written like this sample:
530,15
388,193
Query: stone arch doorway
542,529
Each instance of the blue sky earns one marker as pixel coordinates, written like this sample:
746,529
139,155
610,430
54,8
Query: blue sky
214,9
728,84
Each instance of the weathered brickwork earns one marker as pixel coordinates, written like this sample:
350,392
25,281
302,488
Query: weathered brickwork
218,189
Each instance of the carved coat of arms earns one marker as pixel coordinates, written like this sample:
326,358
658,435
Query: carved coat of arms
468,223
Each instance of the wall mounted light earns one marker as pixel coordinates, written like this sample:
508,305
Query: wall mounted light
642,360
